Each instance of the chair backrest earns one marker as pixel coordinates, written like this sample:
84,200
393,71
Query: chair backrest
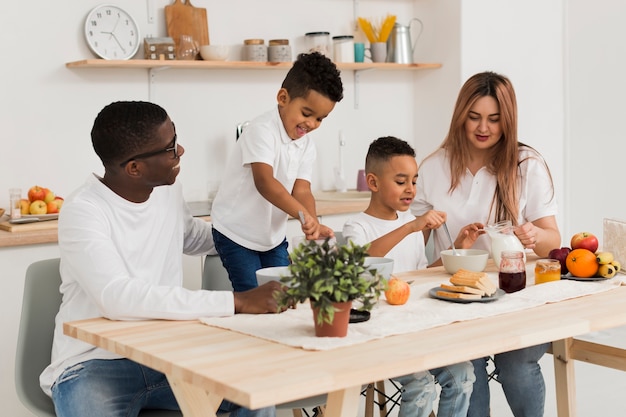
214,275
40,305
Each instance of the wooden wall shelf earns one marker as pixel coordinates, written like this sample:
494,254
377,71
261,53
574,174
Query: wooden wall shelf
208,65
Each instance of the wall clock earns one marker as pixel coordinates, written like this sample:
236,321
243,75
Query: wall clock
111,32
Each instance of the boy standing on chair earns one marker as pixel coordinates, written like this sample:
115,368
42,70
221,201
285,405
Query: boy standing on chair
121,240
268,176
393,232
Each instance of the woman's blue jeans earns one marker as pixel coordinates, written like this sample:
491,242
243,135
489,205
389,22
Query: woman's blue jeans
121,388
242,263
522,382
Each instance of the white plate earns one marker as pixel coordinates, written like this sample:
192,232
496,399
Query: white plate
573,278
485,299
42,216
32,218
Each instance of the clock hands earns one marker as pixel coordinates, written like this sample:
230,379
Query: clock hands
112,33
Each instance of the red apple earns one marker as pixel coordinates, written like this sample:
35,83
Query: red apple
38,207
49,196
59,201
55,205
52,207
560,255
397,292
584,240
36,193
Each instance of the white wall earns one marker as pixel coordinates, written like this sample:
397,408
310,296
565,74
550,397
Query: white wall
514,39
596,88
564,59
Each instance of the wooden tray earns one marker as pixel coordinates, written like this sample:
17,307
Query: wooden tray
27,227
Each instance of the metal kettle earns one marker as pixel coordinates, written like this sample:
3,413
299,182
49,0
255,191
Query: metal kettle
400,47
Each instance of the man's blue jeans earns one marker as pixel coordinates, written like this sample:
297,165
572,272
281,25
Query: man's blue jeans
121,388
242,263
522,382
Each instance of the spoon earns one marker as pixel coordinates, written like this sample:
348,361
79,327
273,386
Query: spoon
445,228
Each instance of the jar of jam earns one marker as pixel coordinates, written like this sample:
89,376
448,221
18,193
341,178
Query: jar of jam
512,275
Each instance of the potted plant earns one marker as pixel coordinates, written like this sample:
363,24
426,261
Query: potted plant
331,277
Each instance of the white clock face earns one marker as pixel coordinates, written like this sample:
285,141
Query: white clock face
111,33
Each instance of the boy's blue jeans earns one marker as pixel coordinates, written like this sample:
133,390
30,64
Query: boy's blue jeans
121,388
419,393
242,263
522,382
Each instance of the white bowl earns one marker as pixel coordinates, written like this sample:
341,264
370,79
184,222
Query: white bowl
214,52
273,273
469,259
384,266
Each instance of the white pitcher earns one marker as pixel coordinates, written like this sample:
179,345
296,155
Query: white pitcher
503,238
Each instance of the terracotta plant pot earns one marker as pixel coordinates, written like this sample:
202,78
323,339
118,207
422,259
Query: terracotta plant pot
339,326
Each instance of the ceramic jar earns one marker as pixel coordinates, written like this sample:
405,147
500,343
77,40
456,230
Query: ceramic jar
254,50
279,50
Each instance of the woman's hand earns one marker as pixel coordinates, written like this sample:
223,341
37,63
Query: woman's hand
527,234
468,235
541,235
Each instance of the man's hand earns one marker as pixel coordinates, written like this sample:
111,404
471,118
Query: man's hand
259,300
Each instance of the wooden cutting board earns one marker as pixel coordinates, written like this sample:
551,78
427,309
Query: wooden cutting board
182,18
27,227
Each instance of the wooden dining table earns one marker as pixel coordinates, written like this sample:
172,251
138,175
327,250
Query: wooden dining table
206,364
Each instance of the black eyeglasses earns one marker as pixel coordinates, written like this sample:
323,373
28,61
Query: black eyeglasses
173,148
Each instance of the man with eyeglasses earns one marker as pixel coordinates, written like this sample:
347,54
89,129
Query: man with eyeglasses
121,239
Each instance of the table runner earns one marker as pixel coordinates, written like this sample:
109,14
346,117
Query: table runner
294,327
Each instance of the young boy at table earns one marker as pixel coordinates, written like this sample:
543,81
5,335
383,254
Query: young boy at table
121,240
393,232
268,176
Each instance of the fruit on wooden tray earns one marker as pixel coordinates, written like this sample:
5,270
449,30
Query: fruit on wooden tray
41,200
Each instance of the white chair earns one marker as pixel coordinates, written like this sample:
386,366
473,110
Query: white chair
215,278
40,305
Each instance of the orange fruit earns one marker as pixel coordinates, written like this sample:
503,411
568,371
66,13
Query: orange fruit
582,263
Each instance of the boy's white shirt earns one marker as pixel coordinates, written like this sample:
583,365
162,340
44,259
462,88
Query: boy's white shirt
408,255
239,211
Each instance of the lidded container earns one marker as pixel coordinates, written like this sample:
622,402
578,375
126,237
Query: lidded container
318,42
254,50
279,50
343,48
512,271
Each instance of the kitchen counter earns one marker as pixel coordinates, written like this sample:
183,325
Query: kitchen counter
34,237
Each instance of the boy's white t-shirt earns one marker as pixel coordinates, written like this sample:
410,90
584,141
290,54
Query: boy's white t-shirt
408,255
239,211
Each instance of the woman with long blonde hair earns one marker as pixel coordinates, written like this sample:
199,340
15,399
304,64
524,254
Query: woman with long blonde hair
482,174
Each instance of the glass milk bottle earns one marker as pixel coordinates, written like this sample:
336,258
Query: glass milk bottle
503,239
